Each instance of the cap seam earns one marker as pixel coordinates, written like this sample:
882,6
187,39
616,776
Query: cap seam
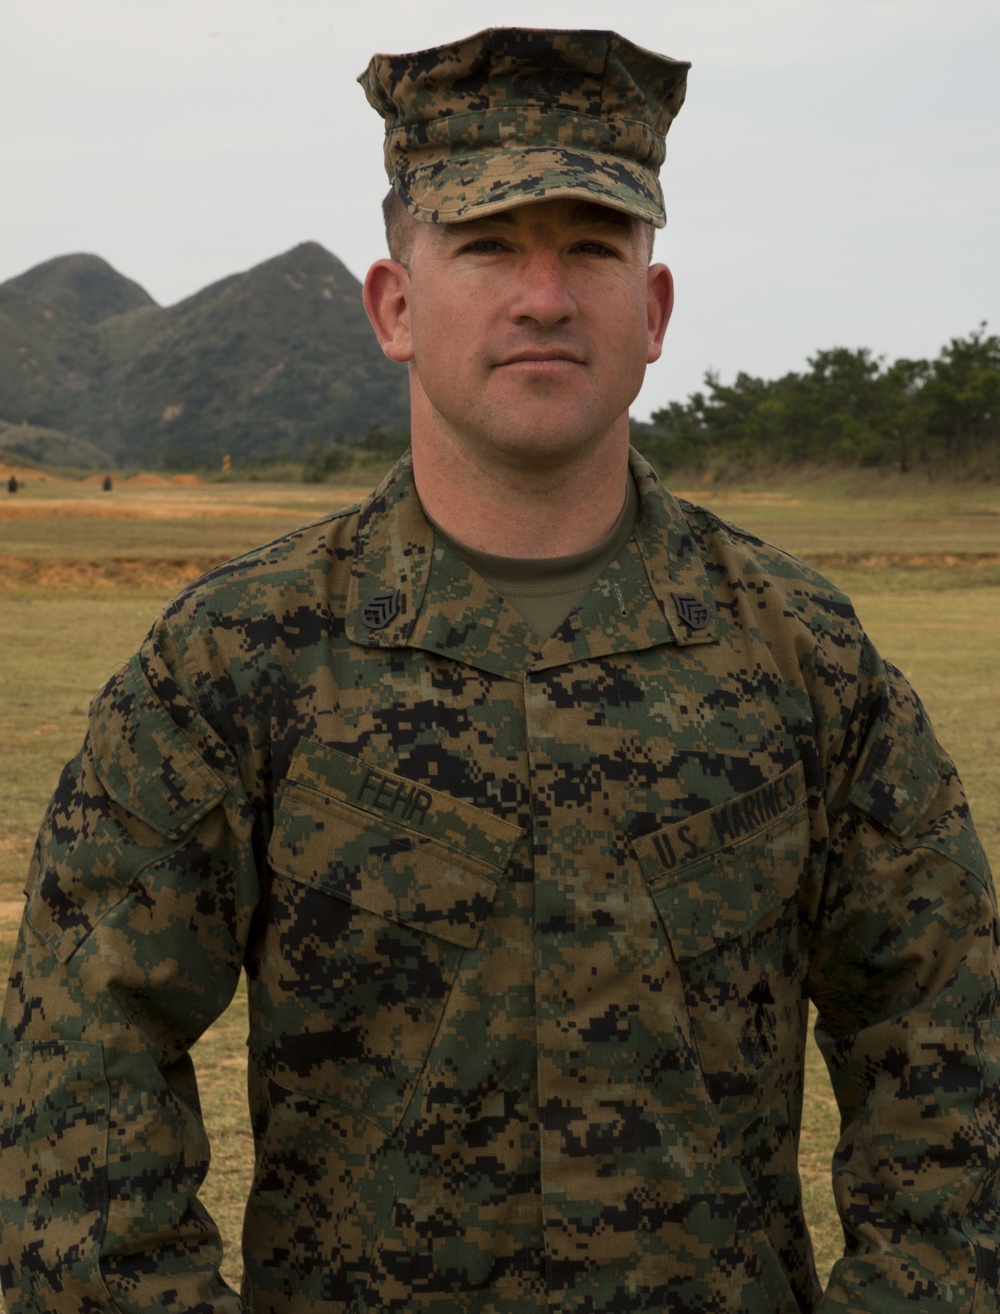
408,125
502,149
651,213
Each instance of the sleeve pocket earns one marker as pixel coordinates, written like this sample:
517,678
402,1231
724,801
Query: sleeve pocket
135,791
908,786
145,761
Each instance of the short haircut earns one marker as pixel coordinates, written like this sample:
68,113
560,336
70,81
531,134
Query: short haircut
398,227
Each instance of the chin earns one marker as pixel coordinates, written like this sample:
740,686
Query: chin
545,450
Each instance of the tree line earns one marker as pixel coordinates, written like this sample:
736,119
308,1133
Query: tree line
849,408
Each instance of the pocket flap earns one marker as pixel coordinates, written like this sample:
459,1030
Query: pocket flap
392,847
714,876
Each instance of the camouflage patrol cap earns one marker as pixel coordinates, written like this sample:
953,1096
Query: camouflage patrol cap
520,114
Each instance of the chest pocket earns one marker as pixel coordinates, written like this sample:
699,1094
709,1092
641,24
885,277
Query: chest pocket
716,875
724,884
379,887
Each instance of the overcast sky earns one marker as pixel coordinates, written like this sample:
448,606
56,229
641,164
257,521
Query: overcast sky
833,179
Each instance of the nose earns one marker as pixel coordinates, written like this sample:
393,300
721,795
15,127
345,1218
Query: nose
541,292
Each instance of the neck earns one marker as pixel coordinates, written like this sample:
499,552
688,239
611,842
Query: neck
523,507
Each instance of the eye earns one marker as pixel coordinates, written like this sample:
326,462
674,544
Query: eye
595,247
483,246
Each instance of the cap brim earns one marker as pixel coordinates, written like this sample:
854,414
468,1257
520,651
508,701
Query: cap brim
485,182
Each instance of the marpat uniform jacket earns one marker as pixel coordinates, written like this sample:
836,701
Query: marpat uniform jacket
530,936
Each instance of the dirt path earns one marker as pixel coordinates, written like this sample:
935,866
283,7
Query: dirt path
115,573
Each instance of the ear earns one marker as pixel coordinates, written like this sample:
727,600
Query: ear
659,304
387,301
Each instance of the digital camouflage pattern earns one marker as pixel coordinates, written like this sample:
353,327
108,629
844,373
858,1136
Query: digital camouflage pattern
530,935
522,114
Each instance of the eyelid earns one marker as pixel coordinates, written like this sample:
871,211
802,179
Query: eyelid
610,245
606,246
473,242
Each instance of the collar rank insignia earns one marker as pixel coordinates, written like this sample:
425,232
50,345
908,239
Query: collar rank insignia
380,609
691,610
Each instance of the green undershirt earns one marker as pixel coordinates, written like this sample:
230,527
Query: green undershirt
546,589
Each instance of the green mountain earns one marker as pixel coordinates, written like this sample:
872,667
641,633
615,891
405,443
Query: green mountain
85,287
48,361
260,364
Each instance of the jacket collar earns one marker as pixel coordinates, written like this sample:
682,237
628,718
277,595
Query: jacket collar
409,591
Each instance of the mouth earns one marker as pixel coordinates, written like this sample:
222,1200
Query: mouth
542,357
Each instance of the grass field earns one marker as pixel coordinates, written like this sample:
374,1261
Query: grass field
83,573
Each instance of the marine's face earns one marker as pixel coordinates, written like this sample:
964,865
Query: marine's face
528,332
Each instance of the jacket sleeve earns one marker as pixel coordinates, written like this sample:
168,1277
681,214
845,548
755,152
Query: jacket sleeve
138,901
905,979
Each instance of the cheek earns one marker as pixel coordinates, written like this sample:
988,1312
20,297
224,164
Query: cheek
620,309
631,337
442,320
431,333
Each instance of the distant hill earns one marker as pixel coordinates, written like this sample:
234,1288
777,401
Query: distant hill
85,287
26,442
260,364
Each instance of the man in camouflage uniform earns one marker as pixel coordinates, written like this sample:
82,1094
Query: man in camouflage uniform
536,805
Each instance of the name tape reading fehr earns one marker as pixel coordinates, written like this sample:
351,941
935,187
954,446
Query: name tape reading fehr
399,798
